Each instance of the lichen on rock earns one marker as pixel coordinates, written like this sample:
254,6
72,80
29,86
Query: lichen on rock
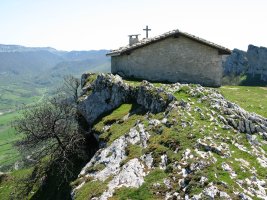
188,142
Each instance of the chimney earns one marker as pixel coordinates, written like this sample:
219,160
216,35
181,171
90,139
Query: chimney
133,39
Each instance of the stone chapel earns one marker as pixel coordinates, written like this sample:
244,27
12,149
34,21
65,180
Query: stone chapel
174,56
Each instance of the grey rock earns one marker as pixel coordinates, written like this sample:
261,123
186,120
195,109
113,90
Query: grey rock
236,63
252,139
163,163
203,180
109,91
148,160
167,183
211,191
197,197
131,175
151,98
221,149
154,122
242,196
257,59
224,195
253,62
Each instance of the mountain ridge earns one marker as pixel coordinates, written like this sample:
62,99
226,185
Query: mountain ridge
40,64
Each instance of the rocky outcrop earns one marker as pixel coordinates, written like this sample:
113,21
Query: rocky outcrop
236,64
108,92
190,143
253,62
257,59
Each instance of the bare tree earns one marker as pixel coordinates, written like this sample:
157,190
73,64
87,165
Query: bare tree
70,87
50,132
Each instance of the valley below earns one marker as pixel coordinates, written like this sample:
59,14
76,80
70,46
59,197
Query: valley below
154,140
27,76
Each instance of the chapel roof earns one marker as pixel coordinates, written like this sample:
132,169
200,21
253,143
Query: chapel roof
147,41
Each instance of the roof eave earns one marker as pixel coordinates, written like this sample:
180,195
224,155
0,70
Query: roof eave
113,54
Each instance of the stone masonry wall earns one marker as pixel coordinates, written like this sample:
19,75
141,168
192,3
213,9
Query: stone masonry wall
173,60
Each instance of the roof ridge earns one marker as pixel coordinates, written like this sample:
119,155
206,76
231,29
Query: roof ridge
146,41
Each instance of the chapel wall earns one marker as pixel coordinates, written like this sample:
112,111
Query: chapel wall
173,60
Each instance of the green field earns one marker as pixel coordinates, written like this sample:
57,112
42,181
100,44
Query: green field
8,154
13,95
252,99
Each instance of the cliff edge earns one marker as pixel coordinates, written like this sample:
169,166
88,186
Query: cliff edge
169,141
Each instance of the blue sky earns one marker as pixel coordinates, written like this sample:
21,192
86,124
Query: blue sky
106,24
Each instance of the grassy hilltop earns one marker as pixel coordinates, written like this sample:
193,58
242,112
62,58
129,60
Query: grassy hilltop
164,139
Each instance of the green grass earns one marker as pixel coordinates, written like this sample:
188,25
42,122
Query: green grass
8,182
132,151
115,119
252,99
8,154
13,96
187,126
91,189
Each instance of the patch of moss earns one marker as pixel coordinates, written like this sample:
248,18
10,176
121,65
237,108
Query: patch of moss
128,114
95,168
90,79
114,116
132,151
117,130
91,189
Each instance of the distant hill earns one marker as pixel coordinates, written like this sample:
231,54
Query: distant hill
27,73
47,63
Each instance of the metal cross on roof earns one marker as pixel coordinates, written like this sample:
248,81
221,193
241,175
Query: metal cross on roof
147,29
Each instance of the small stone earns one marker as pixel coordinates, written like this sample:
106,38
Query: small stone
244,197
167,183
148,159
164,120
154,122
211,191
203,180
252,139
224,195
164,160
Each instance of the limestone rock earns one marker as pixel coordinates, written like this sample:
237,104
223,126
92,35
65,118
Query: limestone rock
131,175
175,145
109,91
151,98
211,192
252,62
257,58
236,63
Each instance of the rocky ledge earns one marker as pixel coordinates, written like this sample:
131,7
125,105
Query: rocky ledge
169,141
